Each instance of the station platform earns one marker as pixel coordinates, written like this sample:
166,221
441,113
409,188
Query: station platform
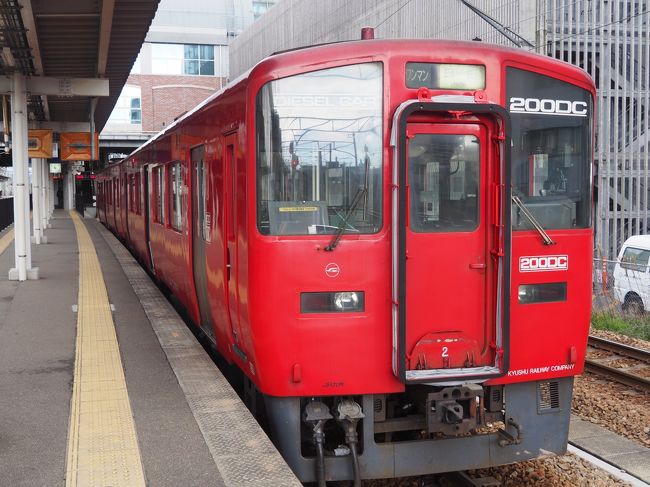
102,384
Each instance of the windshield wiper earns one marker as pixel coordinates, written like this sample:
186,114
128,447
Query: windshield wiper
533,221
344,223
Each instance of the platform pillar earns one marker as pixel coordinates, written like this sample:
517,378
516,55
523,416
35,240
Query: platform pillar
45,180
36,201
53,195
20,161
68,190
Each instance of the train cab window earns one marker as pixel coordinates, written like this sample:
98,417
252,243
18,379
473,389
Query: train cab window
175,188
159,194
444,182
319,152
551,150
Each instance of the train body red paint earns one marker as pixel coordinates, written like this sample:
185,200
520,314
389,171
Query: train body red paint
339,223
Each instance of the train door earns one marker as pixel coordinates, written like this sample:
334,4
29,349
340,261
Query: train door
147,215
115,199
450,251
200,235
230,220
126,207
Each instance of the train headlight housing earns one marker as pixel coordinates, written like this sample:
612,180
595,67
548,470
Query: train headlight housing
542,293
332,302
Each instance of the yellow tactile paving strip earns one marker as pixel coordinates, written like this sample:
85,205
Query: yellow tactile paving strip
102,442
6,240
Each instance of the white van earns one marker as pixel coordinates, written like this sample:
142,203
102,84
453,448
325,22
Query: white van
632,274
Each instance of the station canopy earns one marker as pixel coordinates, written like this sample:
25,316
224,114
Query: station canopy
64,40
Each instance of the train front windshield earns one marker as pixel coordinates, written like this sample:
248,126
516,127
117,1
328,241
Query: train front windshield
551,150
319,152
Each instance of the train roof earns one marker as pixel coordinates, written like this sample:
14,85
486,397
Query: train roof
456,51
313,57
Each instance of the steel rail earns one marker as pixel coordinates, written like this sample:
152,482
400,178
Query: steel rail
640,383
619,348
618,375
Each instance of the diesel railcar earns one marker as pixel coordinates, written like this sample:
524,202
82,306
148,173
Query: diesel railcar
390,239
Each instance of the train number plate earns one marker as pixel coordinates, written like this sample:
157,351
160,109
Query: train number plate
543,263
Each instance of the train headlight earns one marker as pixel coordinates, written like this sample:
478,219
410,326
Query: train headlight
332,302
542,293
348,300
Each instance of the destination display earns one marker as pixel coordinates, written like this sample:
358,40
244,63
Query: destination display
445,76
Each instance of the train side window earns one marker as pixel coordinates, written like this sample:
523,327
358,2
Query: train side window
137,193
116,183
131,193
175,188
159,194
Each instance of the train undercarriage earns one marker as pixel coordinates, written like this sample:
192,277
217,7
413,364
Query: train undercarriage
425,430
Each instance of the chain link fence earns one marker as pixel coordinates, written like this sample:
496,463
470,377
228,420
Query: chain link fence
621,297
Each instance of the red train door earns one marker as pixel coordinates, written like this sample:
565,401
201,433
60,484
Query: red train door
200,235
450,250
128,186
231,257
147,215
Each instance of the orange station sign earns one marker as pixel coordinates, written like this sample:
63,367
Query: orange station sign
39,143
75,146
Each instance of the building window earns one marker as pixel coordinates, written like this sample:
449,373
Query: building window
199,60
136,111
175,188
188,59
128,108
260,7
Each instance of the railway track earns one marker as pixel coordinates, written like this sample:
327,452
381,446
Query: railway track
627,377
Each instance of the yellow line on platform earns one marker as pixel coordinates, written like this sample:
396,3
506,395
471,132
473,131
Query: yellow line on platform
102,443
6,240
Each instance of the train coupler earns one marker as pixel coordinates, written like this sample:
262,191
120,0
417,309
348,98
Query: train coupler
507,438
455,410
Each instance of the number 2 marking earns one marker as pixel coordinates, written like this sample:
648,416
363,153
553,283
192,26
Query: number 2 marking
445,352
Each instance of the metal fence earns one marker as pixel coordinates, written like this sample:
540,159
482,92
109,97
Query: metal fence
611,41
6,212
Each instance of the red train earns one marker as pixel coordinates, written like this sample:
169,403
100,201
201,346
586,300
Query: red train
391,239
